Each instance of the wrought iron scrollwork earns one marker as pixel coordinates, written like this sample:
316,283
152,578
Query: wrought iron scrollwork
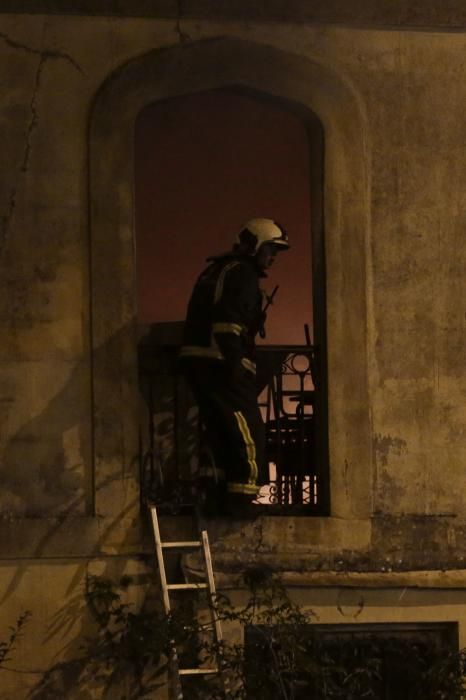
171,437
288,407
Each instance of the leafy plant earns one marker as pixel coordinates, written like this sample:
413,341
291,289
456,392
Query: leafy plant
282,657
125,658
7,646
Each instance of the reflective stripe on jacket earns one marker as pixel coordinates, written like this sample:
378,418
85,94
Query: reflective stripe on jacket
224,312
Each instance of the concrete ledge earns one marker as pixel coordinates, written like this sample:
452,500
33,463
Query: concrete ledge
455,579
32,538
295,535
385,13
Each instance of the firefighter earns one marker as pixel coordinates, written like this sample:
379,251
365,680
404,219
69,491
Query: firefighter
224,315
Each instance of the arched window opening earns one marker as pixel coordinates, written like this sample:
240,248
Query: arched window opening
204,164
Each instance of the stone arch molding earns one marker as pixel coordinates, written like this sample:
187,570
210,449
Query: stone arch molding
206,65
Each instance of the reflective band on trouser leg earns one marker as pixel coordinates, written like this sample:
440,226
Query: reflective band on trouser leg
249,365
242,488
251,486
223,327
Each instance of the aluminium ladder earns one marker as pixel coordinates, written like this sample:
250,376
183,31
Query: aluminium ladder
209,585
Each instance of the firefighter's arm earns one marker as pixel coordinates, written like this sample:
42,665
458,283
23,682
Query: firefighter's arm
233,310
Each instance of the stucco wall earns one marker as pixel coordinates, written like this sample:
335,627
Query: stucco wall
56,629
408,91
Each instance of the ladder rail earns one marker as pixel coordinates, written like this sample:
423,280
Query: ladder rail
211,586
160,560
214,608
173,661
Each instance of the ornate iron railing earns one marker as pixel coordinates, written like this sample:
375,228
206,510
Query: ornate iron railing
289,397
288,403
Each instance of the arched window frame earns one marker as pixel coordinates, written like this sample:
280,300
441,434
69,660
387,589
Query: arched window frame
340,175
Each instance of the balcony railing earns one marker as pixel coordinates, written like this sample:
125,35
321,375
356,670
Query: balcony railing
290,397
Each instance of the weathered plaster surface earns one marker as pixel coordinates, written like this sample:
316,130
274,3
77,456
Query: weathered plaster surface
415,314
45,439
410,91
53,591
43,56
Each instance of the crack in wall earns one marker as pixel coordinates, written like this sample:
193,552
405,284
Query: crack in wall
183,37
47,54
345,477
8,215
34,116
44,57
354,608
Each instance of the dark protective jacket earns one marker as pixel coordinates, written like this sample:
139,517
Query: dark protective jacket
225,312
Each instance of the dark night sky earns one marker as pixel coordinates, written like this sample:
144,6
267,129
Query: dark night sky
204,165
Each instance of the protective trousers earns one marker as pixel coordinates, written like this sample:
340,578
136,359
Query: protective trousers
233,422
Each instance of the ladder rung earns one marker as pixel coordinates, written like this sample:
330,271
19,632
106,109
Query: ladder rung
180,545
197,671
185,586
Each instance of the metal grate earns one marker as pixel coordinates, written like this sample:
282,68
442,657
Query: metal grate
392,661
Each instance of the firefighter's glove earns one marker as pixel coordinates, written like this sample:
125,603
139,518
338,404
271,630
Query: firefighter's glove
261,324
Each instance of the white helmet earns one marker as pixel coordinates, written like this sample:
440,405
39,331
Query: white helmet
261,231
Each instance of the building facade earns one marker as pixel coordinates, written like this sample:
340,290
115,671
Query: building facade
386,87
